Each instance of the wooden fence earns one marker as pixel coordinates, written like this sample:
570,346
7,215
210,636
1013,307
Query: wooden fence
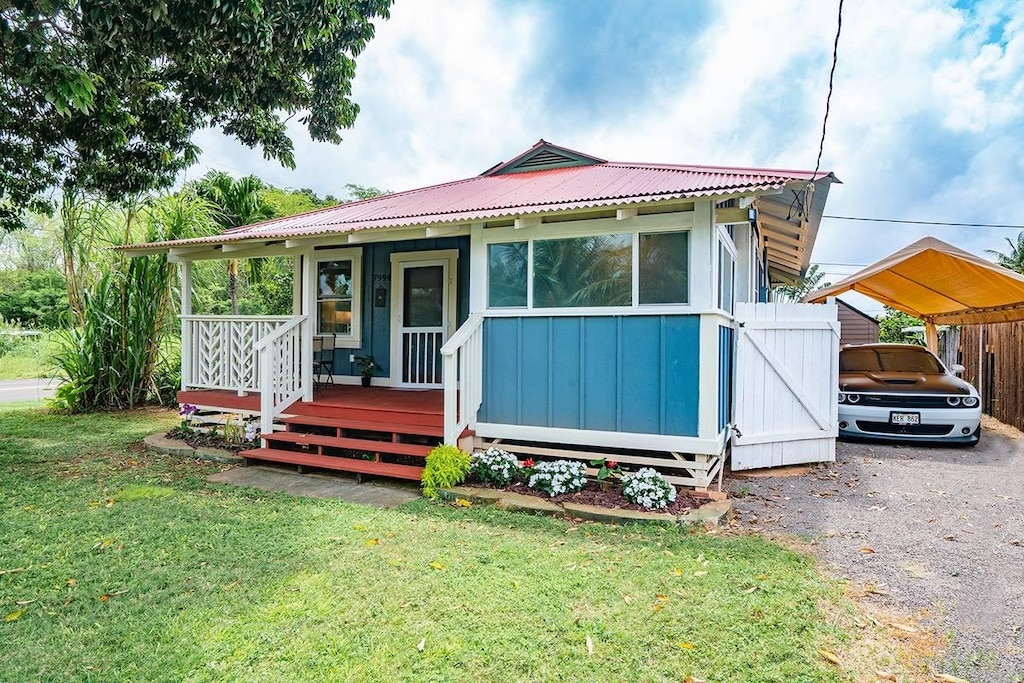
998,370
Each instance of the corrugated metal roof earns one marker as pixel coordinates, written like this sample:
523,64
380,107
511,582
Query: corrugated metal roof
490,197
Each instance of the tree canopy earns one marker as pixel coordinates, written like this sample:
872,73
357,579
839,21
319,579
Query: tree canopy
1014,258
803,286
105,96
892,324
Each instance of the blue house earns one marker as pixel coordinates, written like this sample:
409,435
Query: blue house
556,303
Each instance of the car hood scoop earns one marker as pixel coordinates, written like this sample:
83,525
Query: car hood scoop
912,382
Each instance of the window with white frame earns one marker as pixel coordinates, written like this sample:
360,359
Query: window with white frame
726,278
609,270
338,278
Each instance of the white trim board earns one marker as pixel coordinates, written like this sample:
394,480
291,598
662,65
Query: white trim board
589,437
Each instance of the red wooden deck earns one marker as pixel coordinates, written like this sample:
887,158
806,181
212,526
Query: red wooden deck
366,430
423,401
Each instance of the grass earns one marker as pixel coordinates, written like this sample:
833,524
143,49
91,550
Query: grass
119,565
25,358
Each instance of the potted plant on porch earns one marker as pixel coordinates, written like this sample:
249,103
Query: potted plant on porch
367,367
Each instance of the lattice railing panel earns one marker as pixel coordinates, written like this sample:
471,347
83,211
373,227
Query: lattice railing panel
224,350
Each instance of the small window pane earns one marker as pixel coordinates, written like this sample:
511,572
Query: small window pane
726,277
506,275
423,296
334,297
664,260
583,271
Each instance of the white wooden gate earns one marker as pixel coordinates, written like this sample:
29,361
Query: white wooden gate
787,383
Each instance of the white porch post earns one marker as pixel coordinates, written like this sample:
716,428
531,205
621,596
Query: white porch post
308,327
186,325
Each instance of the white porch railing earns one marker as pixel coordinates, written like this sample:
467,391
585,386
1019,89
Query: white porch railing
281,377
219,351
463,377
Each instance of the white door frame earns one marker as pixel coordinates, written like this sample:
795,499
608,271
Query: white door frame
449,259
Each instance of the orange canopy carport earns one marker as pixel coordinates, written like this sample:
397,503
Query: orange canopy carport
940,284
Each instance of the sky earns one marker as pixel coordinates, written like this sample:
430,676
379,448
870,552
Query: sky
926,120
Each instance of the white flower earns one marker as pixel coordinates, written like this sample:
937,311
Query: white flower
558,477
648,489
252,430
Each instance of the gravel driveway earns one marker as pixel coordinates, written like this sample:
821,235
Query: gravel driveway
946,527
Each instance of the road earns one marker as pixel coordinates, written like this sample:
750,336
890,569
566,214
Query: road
12,391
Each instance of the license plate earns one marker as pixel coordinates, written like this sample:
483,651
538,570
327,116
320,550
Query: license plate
905,418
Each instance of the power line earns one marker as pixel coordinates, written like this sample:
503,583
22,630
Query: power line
831,79
1002,226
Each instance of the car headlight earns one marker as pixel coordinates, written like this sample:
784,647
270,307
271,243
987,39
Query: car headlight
842,397
853,398
970,401
953,400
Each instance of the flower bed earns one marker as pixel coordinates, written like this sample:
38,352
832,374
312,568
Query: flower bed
236,434
566,481
594,493
200,439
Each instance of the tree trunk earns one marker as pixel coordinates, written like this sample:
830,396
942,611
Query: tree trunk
233,285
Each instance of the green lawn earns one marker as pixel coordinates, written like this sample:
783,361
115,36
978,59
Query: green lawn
25,358
118,565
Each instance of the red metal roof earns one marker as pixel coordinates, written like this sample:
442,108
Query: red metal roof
485,197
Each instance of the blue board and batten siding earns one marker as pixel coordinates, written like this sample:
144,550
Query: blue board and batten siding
376,319
635,374
725,370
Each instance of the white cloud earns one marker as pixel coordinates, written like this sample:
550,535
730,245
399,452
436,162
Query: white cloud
441,92
925,123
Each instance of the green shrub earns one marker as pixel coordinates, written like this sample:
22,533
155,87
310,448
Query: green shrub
446,466
109,361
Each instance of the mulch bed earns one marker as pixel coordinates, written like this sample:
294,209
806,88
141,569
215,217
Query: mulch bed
594,494
204,439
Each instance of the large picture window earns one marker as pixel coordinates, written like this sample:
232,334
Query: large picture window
595,271
337,289
583,271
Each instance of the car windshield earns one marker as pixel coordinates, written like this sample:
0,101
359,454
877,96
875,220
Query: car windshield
889,360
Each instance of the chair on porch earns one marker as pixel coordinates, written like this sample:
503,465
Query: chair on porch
323,360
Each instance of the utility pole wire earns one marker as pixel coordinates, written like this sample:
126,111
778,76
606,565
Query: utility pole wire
898,220
831,79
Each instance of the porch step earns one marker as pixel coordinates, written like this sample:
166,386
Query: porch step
376,415
327,462
364,425
319,441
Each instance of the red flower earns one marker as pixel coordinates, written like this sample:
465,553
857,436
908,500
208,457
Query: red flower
611,464
528,463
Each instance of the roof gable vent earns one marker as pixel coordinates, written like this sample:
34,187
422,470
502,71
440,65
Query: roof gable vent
543,156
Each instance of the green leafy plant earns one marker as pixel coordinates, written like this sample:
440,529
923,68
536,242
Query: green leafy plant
367,365
606,469
186,411
495,466
233,431
446,466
